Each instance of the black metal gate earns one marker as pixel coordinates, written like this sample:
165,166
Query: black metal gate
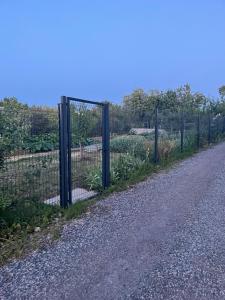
65,149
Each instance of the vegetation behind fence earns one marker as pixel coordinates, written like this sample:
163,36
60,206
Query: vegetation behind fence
144,130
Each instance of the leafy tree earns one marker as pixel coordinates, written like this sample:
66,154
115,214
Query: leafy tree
83,122
119,119
222,92
140,106
43,129
14,126
43,120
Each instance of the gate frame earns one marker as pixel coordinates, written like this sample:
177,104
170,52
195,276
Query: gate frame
65,147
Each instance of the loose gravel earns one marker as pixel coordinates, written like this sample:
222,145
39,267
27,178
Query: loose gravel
162,239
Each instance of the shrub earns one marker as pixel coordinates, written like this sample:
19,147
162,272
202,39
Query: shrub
151,135
135,145
42,143
124,166
121,169
190,139
5,200
4,150
34,171
94,178
26,212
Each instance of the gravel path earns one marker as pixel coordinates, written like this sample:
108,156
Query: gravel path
162,239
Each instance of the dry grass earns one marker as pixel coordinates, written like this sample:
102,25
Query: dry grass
166,147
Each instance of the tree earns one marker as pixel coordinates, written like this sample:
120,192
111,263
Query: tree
140,105
82,124
222,92
43,120
119,119
188,101
14,126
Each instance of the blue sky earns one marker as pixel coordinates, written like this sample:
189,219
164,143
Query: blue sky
104,49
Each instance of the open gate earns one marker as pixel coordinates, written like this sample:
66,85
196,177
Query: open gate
73,142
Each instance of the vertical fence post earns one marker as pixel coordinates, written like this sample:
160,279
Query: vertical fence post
209,128
223,130
61,157
217,127
182,132
156,155
63,152
69,142
105,147
198,131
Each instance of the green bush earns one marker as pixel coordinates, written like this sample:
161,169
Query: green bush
5,200
124,166
94,178
151,136
84,141
4,150
26,212
135,145
42,143
190,139
121,169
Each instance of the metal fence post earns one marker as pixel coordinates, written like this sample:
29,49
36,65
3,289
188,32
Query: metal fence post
182,132
217,127
198,131
69,142
63,152
156,155
223,124
105,147
209,128
61,162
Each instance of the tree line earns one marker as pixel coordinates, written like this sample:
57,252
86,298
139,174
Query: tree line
35,128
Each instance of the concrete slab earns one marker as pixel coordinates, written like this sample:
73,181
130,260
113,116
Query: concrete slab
78,194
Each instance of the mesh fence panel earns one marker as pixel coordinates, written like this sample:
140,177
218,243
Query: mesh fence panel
29,146
86,148
29,154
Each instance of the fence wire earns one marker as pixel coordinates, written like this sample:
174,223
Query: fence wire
86,149
29,146
29,154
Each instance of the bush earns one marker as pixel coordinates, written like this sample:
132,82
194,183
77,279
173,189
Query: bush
42,143
135,145
151,136
94,178
124,166
26,212
76,141
5,200
121,169
190,140
3,155
4,150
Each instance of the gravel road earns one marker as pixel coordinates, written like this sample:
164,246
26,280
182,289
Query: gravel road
162,239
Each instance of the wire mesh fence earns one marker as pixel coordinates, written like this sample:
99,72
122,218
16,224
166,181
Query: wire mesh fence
29,154
30,140
86,149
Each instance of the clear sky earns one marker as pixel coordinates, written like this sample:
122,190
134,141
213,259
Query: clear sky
103,49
